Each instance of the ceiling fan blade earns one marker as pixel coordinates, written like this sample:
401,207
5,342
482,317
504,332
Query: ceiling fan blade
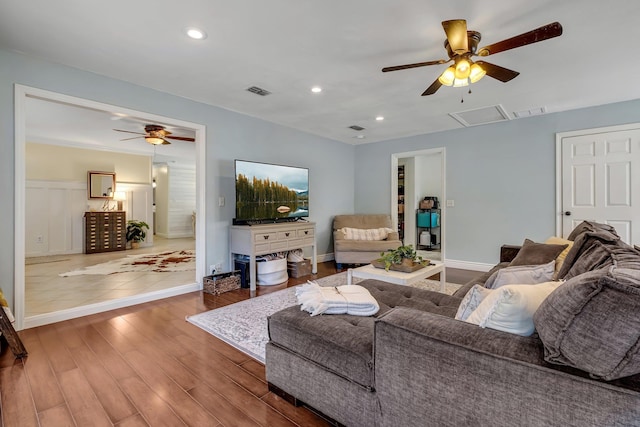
545,32
181,138
128,131
433,88
417,64
135,137
498,72
456,30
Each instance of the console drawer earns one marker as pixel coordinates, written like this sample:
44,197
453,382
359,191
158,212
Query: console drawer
265,237
306,232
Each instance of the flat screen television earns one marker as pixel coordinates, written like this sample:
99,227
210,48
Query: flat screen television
267,193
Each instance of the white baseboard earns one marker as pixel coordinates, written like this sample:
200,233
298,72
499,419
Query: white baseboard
468,265
72,313
325,257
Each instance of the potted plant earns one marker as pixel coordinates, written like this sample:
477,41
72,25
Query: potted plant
136,232
404,258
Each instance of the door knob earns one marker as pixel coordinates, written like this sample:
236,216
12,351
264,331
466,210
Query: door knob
567,213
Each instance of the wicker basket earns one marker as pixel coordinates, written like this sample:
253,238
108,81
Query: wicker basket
219,283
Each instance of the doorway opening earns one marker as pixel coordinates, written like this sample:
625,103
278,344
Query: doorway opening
25,94
417,175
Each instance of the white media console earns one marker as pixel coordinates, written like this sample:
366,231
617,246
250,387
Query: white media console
262,239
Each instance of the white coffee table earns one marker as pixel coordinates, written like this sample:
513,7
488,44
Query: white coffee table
398,277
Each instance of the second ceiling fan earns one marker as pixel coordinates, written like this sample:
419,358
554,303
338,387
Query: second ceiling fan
461,45
156,135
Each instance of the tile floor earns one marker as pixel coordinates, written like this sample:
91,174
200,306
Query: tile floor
47,292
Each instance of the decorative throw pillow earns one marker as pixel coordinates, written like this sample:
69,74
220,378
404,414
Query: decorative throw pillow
510,308
521,274
560,241
536,253
366,233
471,301
592,323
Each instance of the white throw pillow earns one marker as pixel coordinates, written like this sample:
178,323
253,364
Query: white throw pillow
471,301
510,308
365,233
522,274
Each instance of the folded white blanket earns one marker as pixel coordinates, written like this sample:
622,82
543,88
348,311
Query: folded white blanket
351,299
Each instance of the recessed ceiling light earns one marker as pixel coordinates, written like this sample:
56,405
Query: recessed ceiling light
316,89
379,118
195,33
359,136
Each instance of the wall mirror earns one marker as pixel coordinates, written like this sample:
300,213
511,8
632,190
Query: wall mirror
101,185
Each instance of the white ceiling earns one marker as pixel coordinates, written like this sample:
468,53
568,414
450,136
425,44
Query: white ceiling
288,46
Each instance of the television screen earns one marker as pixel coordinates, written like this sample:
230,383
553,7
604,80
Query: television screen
267,192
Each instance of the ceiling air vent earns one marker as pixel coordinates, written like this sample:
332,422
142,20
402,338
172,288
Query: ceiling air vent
258,91
530,112
356,127
481,116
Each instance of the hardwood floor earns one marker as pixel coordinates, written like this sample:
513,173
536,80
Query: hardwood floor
143,366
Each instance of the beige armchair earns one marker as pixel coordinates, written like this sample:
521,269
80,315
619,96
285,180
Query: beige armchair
360,251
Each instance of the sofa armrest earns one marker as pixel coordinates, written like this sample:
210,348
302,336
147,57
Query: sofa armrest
509,252
435,370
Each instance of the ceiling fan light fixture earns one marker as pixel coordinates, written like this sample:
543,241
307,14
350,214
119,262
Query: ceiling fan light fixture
448,76
154,140
463,69
476,73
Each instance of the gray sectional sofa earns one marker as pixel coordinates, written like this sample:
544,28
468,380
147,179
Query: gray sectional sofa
414,364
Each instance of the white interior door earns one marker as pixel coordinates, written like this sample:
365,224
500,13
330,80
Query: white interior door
601,181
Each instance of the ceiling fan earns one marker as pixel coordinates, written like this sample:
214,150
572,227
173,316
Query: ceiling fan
156,135
461,45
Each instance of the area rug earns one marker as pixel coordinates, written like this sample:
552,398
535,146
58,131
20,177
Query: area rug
243,325
159,263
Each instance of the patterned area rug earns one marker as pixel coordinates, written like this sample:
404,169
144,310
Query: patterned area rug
244,324
161,262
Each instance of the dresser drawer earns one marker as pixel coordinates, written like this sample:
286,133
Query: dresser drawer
286,234
265,237
305,232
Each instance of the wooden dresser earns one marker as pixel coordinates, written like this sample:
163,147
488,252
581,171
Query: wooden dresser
253,240
104,231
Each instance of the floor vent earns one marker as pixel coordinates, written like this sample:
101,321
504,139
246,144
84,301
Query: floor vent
356,127
481,116
258,91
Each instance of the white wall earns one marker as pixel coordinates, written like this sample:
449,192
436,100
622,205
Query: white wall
57,196
501,177
175,200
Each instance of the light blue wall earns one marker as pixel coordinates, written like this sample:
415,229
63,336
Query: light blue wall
501,177
229,136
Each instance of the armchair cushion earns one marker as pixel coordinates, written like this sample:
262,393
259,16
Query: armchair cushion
365,233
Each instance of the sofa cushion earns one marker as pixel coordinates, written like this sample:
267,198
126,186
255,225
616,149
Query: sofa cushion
510,308
592,322
590,226
342,343
591,251
522,274
533,253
